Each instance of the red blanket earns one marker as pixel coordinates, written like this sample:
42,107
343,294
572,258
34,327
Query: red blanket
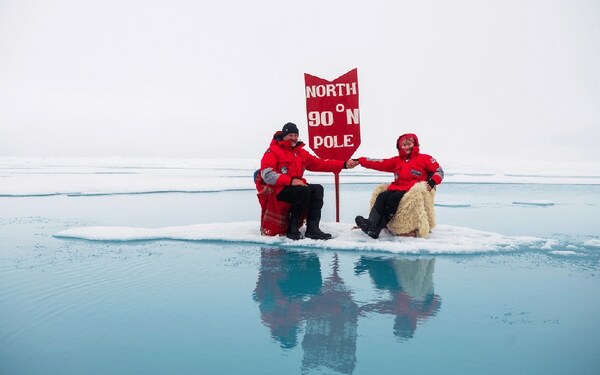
274,215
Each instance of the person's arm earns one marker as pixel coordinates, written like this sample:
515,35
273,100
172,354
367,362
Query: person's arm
437,173
382,165
316,164
268,171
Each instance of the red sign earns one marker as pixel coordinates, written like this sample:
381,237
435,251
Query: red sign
333,115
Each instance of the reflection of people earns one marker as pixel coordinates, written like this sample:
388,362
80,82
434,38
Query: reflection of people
289,290
331,327
410,284
282,167
409,167
284,280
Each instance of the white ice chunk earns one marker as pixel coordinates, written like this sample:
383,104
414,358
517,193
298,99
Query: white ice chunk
445,239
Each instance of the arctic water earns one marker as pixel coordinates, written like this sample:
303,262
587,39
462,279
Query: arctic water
81,306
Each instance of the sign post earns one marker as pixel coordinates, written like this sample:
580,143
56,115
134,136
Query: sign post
333,119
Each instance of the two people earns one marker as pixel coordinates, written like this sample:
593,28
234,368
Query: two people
282,168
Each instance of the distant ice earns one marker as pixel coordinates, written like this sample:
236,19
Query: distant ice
592,243
445,239
564,252
102,176
452,204
535,203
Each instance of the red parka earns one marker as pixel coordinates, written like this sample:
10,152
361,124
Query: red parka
279,165
407,169
282,162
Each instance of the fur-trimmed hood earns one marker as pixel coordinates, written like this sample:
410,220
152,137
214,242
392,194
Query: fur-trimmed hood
415,149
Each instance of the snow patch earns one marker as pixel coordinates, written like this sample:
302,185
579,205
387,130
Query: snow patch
445,239
592,243
564,252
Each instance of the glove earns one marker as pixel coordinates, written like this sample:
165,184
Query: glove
346,163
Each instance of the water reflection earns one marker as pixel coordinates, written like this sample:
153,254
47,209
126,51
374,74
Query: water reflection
331,325
285,280
292,295
410,286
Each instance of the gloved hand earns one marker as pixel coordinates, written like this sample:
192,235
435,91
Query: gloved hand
351,163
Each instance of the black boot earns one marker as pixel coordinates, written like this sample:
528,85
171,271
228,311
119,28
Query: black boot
313,215
371,226
379,221
313,231
366,226
293,233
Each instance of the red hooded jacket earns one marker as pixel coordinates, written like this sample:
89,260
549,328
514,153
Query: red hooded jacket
279,165
407,169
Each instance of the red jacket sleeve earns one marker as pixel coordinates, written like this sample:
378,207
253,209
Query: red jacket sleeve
432,166
316,164
268,171
383,165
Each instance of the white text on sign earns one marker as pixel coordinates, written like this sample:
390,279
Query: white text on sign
325,118
331,89
332,141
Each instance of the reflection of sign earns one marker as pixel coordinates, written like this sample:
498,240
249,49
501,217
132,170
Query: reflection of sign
333,115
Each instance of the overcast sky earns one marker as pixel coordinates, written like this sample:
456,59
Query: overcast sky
474,79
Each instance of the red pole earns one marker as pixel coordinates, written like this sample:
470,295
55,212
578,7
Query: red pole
337,197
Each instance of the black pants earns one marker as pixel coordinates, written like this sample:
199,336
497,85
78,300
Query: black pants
309,197
386,205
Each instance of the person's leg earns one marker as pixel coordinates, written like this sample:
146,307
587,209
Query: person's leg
298,198
391,206
382,212
313,217
378,208
370,225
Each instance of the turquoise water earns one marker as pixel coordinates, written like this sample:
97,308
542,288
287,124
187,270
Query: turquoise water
156,307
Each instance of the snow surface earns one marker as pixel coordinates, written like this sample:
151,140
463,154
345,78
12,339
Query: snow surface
564,252
592,243
445,239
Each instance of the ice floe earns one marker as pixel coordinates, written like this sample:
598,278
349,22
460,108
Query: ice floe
445,239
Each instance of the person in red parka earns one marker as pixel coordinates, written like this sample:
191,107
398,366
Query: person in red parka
409,167
282,167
